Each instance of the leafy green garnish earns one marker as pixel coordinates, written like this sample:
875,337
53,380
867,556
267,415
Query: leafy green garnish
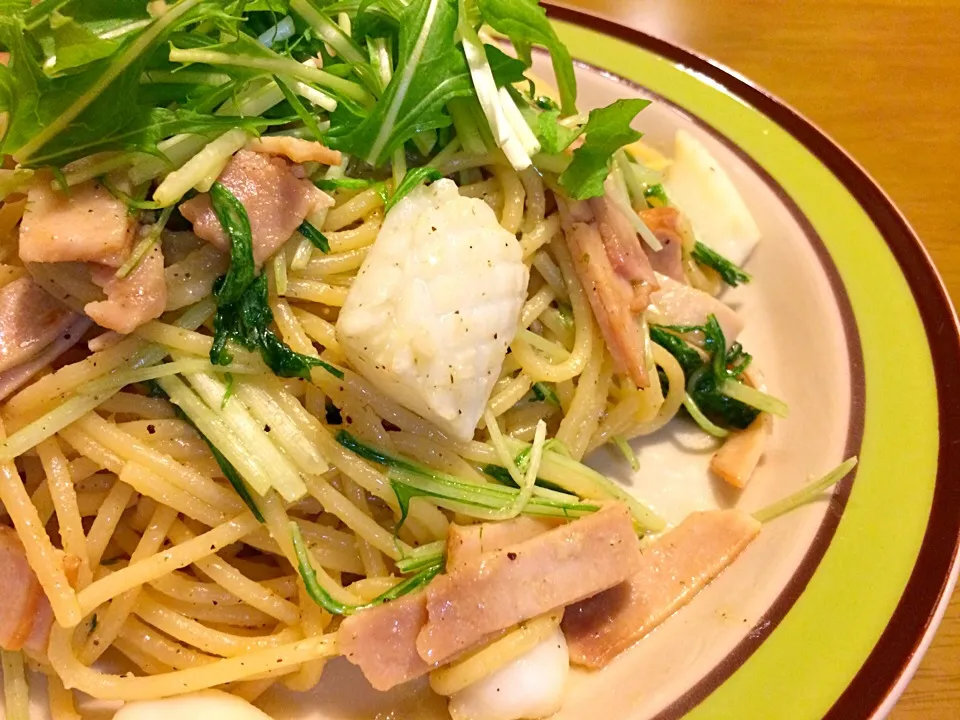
543,392
316,238
554,137
247,323
236,226
410,479
732,274
413,179
309,121
705,379
243,314
607,130
323,599
430,71
526,23
78,110
656,192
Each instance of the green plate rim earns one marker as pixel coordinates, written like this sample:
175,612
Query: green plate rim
910,626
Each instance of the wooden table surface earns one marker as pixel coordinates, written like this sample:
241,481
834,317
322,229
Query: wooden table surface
878,76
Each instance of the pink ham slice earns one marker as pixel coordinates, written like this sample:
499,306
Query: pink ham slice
664,223
497,590
88,225
23,600
741,452
15,378
672,571
30,320
466,542
382,641
276,200
677,303
132,300
616,275
535,567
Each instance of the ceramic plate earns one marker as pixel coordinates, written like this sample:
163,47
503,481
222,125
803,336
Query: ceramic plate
829,611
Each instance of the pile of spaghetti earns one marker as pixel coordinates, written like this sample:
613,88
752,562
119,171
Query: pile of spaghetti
299,295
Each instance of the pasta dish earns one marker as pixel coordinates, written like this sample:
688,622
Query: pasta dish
311,315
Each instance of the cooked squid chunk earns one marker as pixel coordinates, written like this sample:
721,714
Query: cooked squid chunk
703,191
529,687
435,305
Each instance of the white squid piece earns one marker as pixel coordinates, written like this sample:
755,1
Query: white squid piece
699,186
435,305
531,686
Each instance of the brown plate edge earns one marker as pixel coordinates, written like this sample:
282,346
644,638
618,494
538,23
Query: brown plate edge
929,583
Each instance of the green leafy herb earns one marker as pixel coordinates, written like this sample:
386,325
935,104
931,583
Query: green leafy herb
316,238
323,599
705,379
72,46
410,479
543,392
607,130
228,393
306,117
430,71
78,110
247,323
243,313
526,23
413,179
421,557
628,453
732,274
236,226
555,138
343,183
656,192
807,493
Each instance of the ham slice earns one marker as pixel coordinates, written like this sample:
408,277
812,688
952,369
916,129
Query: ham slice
664,222
132,300
616,275
88,225
741,452
296,149
679,304
497,590
672,570
623,246
466,542
30,320
15,378
276,200
23,598
382,641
